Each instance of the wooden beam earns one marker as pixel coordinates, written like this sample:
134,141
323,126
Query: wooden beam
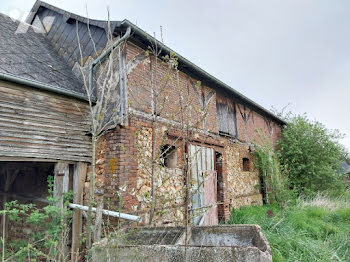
61,186
61,182
10,177
30,159
79,177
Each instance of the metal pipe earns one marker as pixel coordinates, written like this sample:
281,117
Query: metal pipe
104,54
42,86
107,212
76,206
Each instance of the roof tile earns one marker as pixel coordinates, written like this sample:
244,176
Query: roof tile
30,55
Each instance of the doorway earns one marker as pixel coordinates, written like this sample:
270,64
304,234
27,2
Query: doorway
203,185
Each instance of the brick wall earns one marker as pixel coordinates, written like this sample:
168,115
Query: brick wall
125,152
170,88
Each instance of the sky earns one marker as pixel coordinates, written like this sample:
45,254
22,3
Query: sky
293,53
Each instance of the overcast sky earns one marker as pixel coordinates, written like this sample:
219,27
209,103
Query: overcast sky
294,52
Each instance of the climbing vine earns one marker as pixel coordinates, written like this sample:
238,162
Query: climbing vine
274,185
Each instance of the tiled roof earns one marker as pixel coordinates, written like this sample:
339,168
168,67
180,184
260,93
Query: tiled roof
27,54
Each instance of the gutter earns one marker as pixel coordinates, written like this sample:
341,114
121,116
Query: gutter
200,71
101,57
104,54
42,86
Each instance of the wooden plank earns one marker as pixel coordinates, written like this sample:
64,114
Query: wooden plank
40,124
199,182
47,116
45,149
198,159
38,154
77,110
10,178
61,186
4,126
73,113
210,199
28,159
226,117
79,178
45,142
46,125
34,143
203,158
61,182
24,134
52,102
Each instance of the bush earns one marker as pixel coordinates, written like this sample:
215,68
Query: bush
50,227
311,156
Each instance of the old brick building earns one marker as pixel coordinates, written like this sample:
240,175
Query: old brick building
219,146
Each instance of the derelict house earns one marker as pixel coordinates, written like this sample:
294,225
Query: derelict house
45,128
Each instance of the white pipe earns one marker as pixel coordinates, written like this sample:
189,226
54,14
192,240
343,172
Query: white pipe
108,212
76,206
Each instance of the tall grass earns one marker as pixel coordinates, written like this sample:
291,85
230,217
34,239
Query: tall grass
316,229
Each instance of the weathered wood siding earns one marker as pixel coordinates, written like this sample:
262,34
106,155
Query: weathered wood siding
40,124
226,116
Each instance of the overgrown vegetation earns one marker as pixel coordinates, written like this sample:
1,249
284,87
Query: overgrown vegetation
49,227
309,219
310,155
314,229
274,184
307,161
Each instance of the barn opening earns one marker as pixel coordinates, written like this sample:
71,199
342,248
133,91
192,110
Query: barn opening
24,182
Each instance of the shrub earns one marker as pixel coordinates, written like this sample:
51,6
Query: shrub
311,155
50,224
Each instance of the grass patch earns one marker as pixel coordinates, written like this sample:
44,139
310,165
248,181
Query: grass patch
304,231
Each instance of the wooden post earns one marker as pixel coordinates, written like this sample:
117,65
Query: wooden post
79,177
61,182
10,177
61,186
98,220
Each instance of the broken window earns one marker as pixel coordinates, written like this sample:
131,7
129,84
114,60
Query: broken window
246,164
168,156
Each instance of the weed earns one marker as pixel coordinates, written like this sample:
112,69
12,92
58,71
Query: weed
304,231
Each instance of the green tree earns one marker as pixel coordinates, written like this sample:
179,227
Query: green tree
310,154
